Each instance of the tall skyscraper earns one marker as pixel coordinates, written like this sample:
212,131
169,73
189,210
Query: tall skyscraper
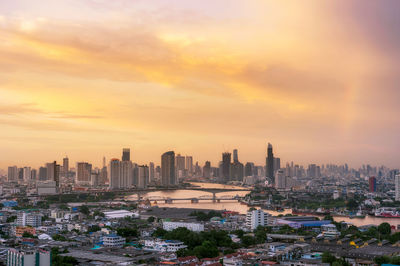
114,174
33,174
83,174
226,166
270,164
280,179
50,167
65,166
207,169
42,173
27,173
397,186
168,169
143,176
12,175
372,184
180,165
126,154
235,156
189,165
249,169
151,172
126,174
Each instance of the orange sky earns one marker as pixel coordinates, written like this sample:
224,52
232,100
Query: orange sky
318,79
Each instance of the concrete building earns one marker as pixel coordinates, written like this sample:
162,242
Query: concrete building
168,177
257,218
114,174
28,257
113,241
163,245
12,174
397,186
195,227
83,174
143,176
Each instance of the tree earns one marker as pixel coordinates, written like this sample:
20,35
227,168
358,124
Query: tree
127,232
328,257
159,232
11,219
384,228
94,228
28,235
151,219
248,241
206,250
84,209
382,260
352,204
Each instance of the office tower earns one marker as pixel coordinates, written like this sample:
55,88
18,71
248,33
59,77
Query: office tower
397,186
126,174
95,178
103,176
126,154
12,175
189,165
249,169
280,179
50,171
237,171
33,174
372,184
65,166
277,163
28,257
83,174
207,169
226,166
42,173
235,156
114,172
257,218
180,166
270,164
20,174
27,173
151,172
135,174
143,176
168,169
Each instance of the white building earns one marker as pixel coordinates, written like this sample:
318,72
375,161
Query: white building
113,241
120,214
163,245
257,218
397,187
195,227
28,257
46,188
31,219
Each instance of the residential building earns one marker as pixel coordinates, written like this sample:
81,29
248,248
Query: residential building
195,227
257,218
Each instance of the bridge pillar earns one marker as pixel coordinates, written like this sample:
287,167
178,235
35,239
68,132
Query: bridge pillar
194,200
214,197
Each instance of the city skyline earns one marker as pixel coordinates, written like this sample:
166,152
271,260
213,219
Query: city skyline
317,79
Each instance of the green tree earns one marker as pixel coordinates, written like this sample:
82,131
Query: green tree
151,219
206,250
248,241
28,235
84,209
328,258
384,228
382,260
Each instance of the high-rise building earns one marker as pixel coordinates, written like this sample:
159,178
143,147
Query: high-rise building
65,166
257,218
114,174
249,169
83,174
270,164
280,179
103,177
372,184
20,174
126,154
33,174
226,166
235,156
189,165
143,176
168,169
39,257
12,175
42,173
277,163
126,174
180,166
151,172
53,172
207,169
397,186
27,173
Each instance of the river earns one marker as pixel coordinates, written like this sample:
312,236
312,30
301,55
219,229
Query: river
234,205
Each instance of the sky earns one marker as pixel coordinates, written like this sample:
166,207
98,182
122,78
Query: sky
85,78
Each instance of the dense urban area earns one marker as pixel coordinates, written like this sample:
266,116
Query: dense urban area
129,214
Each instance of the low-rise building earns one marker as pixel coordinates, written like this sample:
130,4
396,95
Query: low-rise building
28,257
195,227
113,241
164,245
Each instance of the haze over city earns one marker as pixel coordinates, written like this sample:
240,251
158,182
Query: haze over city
85,78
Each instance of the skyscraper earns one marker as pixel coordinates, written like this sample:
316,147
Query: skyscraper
180,165
372,184
397,187
114,174
207,169
42,173
83,174
126,154
65,166
189,165
151,172
235,156
12,174
126,174
168,169
270,164
226,166
143,176
27,173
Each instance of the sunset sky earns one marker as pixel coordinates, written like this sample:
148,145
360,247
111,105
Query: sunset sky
318,79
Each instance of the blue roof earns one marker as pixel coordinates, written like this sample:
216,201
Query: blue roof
314,223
